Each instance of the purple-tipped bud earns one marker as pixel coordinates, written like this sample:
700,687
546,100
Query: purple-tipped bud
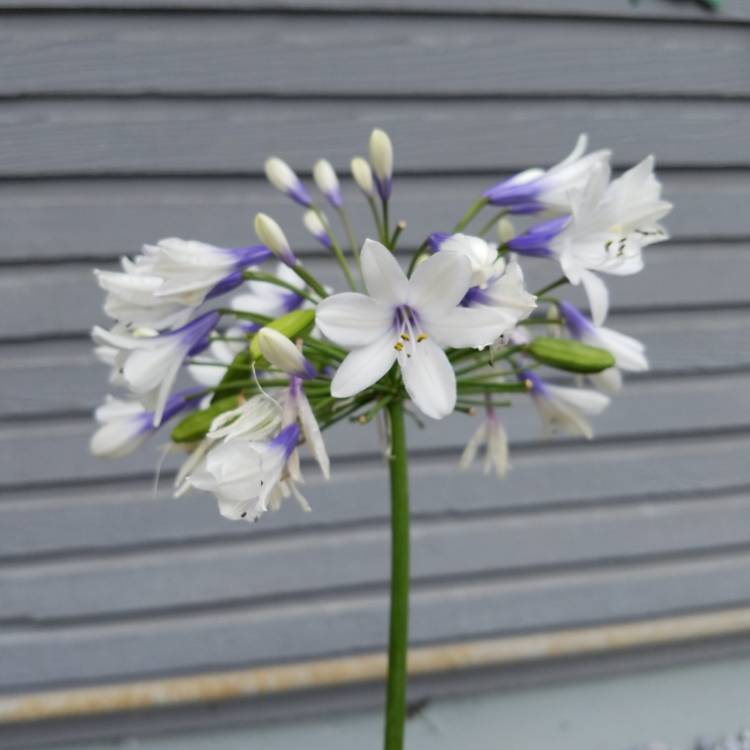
535,242
283,178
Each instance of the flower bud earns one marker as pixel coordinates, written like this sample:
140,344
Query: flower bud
283,354
271,235
505,230
569,355
363,176
317,228
327,182
283,178
381,158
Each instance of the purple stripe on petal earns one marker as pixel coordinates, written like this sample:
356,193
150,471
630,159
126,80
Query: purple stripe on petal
287,439
578,324
291,301
250,256
436,239
198,329
535,241
384,187
476,296
180,401
229,282
510,192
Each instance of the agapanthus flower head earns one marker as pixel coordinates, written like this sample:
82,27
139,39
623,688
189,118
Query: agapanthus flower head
328,183
538,189
284,179
381,159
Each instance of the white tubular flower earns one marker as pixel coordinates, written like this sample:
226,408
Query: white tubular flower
317,228
563,409
406,320
271,235
126,424
536,189
283,354
381,159
269,299
246,476
283,178
327,182
629,353
150,363
362,174
490,434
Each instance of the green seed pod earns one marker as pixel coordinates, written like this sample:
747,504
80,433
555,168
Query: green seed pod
569,355
195,426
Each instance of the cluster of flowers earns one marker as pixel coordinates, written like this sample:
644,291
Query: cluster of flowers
276,357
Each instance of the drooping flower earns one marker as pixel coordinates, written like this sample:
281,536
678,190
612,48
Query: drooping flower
272,235
248,477
284,179
562,408
408,321
314,224
536,189
362,174
149,364
609,227
328,183
381,159
629,353
126,424
490,434
163,285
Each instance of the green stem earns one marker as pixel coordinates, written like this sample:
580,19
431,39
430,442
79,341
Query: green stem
375,216
269,278
309,279
395,710
559,282
386,233
349,232
486,227
471,212
337,251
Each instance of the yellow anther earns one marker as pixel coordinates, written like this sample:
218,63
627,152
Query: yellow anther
421,337
406,337
398,346
528,383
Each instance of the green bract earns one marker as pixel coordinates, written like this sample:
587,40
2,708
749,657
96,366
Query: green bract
573,356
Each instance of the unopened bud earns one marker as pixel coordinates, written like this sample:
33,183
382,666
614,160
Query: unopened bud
327,182
505,230
283,354
381,158
283,178
362,174
271,235
316,227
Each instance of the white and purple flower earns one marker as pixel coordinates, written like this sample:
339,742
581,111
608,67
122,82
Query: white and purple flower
328,183
284,179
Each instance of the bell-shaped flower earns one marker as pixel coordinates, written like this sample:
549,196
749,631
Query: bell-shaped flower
317,228
629,353
284,179
126,424
536,189
564,409
149,364
327,182
362,174
272,235
271,300
406,321
245,475
490,434
381,159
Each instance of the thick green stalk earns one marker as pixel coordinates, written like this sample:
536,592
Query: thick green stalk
395,710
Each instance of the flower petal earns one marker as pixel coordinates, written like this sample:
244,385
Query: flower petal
439,283
468,326
598,294
351,320
384,279
363,367
429,380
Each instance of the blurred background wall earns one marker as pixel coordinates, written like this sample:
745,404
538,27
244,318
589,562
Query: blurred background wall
123,121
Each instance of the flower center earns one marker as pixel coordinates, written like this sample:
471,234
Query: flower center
409,331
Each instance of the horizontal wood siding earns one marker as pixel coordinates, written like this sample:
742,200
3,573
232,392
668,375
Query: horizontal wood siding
123,121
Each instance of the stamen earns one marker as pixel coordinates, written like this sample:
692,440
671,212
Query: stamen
406,337
398,346
421,337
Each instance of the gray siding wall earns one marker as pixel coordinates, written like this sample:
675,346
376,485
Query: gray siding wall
128,120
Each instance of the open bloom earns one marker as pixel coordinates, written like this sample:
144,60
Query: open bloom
126,424
629,353
536,189
149,364
563,409
246,476
408,321
490,434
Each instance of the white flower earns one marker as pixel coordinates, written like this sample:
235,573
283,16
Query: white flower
272,235
327,182
362,174
126,424
271,300
149,364
314,224
248,477
629,353
283,178
406,320
537,189
481,255
283,354
297,407
562,409
258,418
381,158
493,437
